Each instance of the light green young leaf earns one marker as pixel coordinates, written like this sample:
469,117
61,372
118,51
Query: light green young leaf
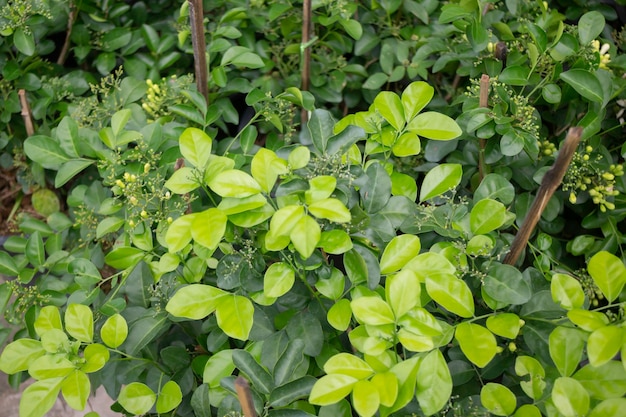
169,397
498,399
330,389
387,385
566,348
587,320
331,209
119,120
477,343
389,105
365,398
335,241
372,310
406,373
219,365
96,356
402,291
299,157
320,188
195,301
183,180
333,286
278,279
436,126
234,183
216,165
305,236
603,344
452,293
109,225
79,322
603,382
487,215
608,273
284,220
415,342
39,397
208,227
235,316
570,397
49,318
50,366
265,167
348,364
340,315
230,206
137,398
408,144
398,252
440,179
178,234
45,151
76,388
434,383
567,291
415,97
585,83
195,146
505,325
613,407
114,331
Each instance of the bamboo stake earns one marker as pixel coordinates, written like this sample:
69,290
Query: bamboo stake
26,113
245,397
551,181
196,18
307,28
483,101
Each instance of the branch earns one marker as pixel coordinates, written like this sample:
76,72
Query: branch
70,25
550,183
245,397
196,18
307,27
26,113
483,101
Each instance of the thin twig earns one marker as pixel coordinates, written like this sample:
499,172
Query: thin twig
550,183
483,101
307,28
70,26
26,113
245,397
196,18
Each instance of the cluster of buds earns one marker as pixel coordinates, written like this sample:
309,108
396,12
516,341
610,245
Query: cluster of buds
546,147
603,51
154,99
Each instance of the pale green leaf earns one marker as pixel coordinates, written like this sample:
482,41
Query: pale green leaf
372,310
169,397
39,397
136,398
498,399
570,397
278,279
79,322
452,293
436,126
195,146
329,389
330,209
178,233
114,331
365,398
603,344
403,291
389,105
477,343
434,383
567,291
235,316
348,364
305,236
208,227
234,183
608,273
398,252
184,180
76,388
266,166
195,301
441,179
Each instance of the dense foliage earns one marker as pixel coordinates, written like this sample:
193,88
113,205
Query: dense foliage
332,229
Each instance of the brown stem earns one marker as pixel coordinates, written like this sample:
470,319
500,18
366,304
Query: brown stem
26,113
70,25
245,397
196,16
483,101
551,181
307,27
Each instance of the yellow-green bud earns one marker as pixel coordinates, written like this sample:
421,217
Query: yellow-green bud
143,214
170,220
572,198
608,176
512,347
131,223
120,184
585,157
588,149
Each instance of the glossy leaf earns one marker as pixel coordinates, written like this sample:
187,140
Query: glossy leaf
329,389
487,215
219,365
79,322
566,349
498,399
452,293
590,26
114,331
403,291
208,227
340,315
398,252
195,146
609,408
234,183
415,97
504,324
170,396
365,398
495,187
50,366
305,235
372,310
76,388
585,83
183,180
570,397
178,234
439,180
567,291
605,381
39,397
433,125
587,320
292,391
477,343
278,279
335,241
259,377
235,316
331,209
49,318
45,151
195,301
389,106
603,344
265,168
434,383
348,364
136,398
608,273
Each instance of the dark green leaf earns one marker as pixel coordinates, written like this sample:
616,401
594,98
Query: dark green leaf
304,325
585,83
292,391
259,377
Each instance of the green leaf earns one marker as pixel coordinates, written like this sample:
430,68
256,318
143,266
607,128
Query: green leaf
35,252
439,180
76,388
587,320
137,398
477,343
329,389
45,151
365,398
305,236
372,310
590,26
183,180
387,385
195,146
389,106
348,364
114,331
219,365
352,28
234,183
375,189
609,408
195,301
109,225
527,410
331,209
433,125
603,344
230,206
290,392
603,382
452,293
24,41
235,316
291,359
49,318
96,356
487,215
403,185
495,187
340,315
398,252
79,322
124,257
525,365
169,397
515,75
375,81
69,170
320,127
498,399
208,227
585,83
299,157
608,273
50,366
434,383
567,291
566,349
408,144
39,397
505,283
504,324
320,188
403,291
143,331
178,234
415,97
266,166
304,325
119,120
7,265
570,397
278,279
335,241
